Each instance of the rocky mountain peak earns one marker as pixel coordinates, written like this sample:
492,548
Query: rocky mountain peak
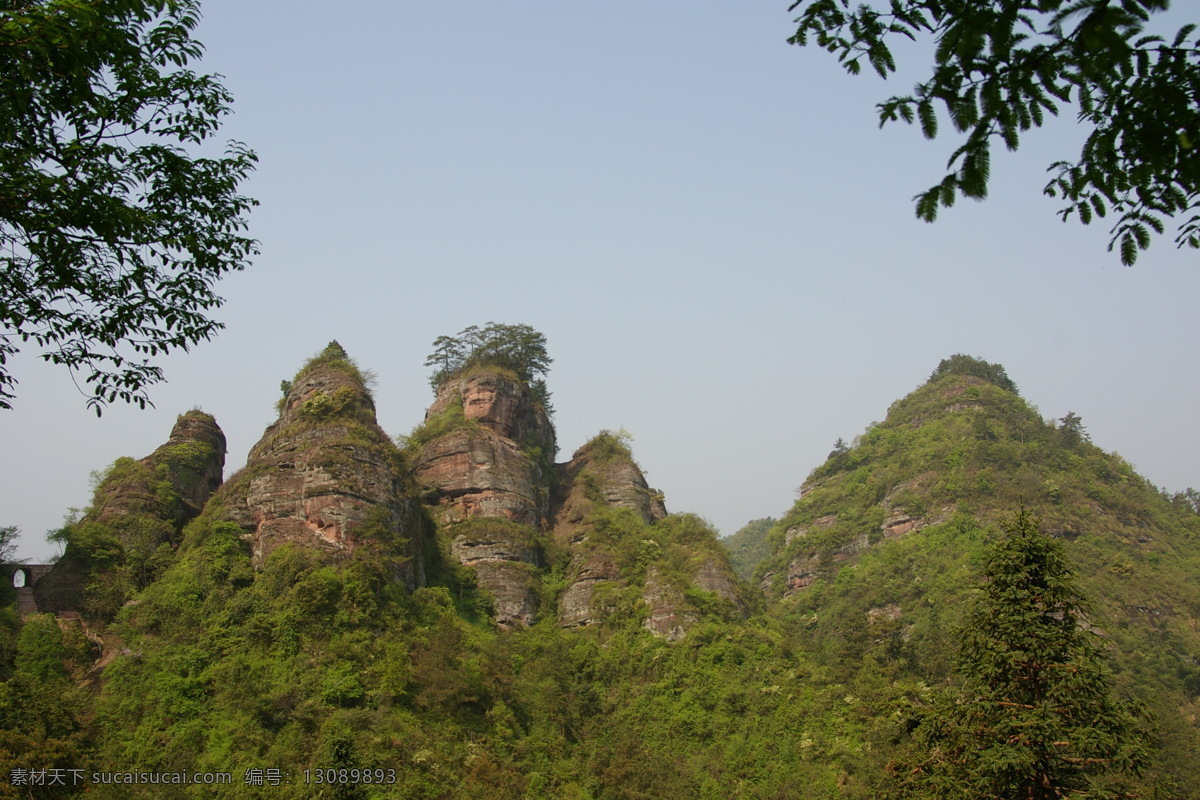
330,385
602,473
496,400
485,450
325,471
137,514
194,456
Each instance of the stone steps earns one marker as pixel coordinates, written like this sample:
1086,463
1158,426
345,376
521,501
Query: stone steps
26,605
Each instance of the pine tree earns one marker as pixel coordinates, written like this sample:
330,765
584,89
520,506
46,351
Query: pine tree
1034,715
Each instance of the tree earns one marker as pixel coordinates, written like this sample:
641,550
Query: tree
1071,429
518,348
1034,716
960,364
8,542
1000,66
111,234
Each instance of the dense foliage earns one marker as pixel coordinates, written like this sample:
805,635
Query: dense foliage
1034,715
892,531
748,546
516,348
1001,67
130,533
311,661
111,234
959,364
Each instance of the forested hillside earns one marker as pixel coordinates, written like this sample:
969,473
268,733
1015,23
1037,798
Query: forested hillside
457,616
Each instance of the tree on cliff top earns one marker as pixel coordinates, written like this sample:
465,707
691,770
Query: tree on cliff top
1034,716
111,234
1000,66
518,348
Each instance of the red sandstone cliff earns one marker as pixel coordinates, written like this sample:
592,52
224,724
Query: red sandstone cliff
324,470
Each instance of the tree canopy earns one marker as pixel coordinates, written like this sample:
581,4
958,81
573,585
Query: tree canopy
961,364
111,234
518,348
1000,67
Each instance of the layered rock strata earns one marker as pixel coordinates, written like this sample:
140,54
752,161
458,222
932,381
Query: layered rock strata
670,615
588,571
488,457
601,474
492,460
325,475
505,560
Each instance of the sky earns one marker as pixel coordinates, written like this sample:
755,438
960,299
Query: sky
707,224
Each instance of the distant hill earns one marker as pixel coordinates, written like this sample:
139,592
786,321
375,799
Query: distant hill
748,546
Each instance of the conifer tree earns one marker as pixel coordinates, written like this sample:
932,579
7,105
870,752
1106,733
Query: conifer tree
1034,715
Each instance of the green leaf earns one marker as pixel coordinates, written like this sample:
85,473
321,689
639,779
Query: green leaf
928,119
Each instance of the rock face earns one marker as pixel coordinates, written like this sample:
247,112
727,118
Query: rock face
325,475
479,473
192,462
497,402
505,559
602,473
717,576
144,505
487,472
588,571
670,617
482,456
484,465
194,456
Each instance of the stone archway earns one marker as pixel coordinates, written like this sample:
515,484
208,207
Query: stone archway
20,578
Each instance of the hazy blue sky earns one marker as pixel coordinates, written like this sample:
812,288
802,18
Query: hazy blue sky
706,223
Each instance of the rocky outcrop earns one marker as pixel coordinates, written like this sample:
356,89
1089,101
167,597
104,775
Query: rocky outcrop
476,472
504,558
587,572
498,402
194,458
325,475
670,616
143,506
491,451
601,473
716,575
483,461
800,531
191,463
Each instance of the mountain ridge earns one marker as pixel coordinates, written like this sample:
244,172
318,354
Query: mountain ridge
493,623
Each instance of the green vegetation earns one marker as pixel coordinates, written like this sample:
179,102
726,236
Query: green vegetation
8,542
450,419
127,537
893,529
518,349
608,445
920,638
1001,67
1034,715
959,364
749,546
42,710
112,236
